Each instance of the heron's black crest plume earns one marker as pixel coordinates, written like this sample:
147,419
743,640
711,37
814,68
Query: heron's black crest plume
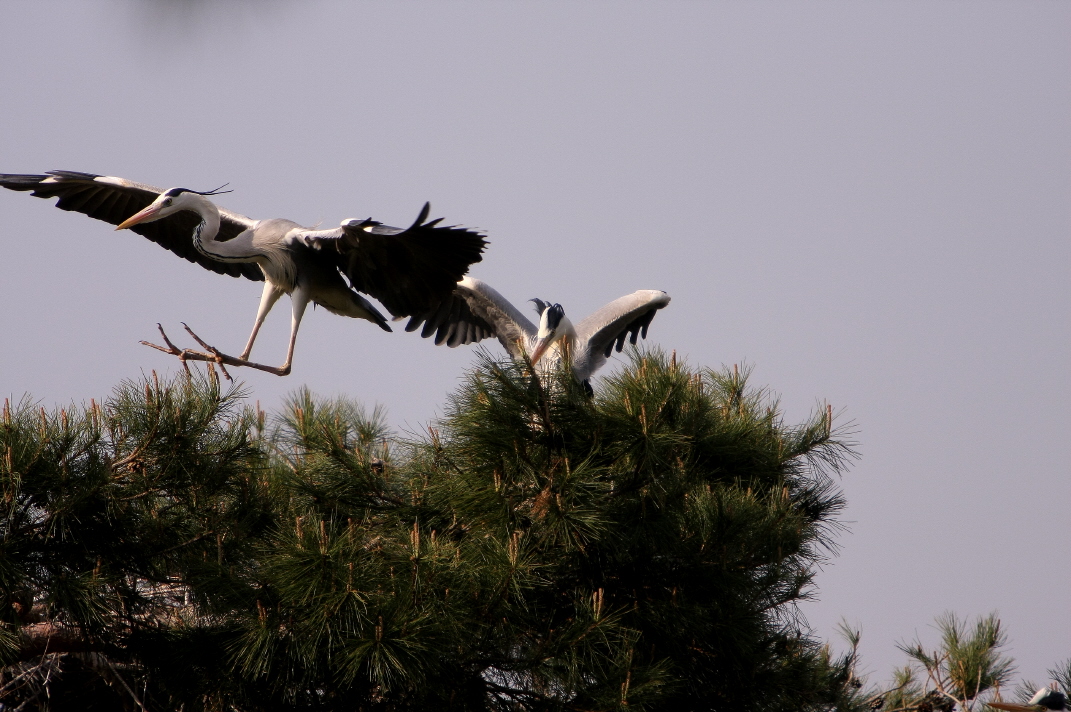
175,192
556,312
554,316
217,191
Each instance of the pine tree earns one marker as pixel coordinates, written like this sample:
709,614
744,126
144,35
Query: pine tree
966,669
122,524
538,548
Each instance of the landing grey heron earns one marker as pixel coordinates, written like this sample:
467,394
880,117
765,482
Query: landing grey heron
476,311
408,270
1043,699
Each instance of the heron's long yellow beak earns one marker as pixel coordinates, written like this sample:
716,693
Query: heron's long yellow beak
1012,707
540,349
139,217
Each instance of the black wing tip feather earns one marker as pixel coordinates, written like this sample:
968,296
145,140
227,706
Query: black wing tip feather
74,175
21,181
636,329
450,322
423,222
36,182
423,215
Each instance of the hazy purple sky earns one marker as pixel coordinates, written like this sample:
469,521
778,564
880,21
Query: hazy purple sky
867,201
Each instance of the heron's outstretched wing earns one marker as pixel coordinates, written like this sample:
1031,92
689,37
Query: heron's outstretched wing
474,312
626,317
113,200
412,270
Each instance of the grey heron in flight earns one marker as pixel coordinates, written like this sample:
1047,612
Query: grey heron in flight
408,270
476,311
1044,699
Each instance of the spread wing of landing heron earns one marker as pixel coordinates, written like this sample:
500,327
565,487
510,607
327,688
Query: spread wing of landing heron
409,270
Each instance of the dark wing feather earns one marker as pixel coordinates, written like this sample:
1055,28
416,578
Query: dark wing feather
625,318
474,312
453,323
113,200
411,271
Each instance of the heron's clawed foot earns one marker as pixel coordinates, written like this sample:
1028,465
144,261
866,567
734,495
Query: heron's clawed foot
211,355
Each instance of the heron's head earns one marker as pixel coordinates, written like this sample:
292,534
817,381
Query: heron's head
1044,700
553,326
168,203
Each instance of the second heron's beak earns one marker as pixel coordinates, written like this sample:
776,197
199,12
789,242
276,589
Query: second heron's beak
139,217
541,348
1014,707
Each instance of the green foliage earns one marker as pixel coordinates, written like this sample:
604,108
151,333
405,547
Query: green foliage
538,549
968,661
964,671
113,514
675,502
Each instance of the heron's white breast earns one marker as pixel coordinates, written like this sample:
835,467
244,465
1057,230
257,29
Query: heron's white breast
272,238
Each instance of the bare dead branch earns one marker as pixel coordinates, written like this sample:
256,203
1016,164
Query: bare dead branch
211,355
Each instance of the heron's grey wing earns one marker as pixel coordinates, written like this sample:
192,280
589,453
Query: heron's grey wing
626,317
113,200
474,312
412,270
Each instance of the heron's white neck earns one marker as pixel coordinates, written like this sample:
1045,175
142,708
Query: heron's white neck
239,249
568,337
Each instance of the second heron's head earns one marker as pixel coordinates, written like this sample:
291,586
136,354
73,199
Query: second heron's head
1042,701
553,327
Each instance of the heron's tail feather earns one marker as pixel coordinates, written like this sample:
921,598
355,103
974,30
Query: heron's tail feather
353,305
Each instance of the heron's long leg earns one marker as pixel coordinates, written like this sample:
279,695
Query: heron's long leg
268,297
299,299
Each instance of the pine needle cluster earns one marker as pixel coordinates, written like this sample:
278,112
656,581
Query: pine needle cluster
539,548
966,669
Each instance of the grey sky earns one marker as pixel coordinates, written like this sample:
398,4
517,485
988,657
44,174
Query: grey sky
867,201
